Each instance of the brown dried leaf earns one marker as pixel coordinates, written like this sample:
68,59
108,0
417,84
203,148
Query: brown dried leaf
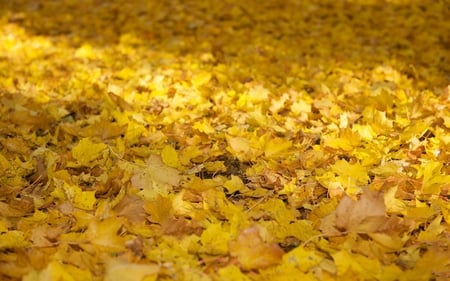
180,226
131,207
159,209
369,209
367,214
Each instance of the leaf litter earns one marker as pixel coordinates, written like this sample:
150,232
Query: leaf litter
224,140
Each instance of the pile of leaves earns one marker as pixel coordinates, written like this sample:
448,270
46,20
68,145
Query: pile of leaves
224,140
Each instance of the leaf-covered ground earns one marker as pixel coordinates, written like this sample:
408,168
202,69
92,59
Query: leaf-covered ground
224,140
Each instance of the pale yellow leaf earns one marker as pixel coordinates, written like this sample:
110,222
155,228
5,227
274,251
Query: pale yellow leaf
86,151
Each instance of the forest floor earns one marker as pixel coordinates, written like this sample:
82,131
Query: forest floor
224,140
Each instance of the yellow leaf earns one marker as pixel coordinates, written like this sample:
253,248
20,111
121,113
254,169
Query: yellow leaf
346,141
81,199
86,151
258,94
195,183
59,271
170,156
4,225
215,166
365,131
159,209
301,106
276,146
215,239
415,130
201,79
300,229
239,146
234,184
445,209
435,260
355,171
232,273
365,267
242,148
189,153
302,258
85,52
392,203
4,163
252,252
125,73
350,175
162,173
156,179
433,231
433,179
204,126
125,271
13,239
390,168
391,242
104,234
276,209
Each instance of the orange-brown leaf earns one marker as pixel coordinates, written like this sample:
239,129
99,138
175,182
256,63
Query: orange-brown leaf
252,252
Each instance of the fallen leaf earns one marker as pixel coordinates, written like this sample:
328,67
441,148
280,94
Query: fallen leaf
131,207
104,234
365,213
57,270
252,252
126,271
158,171
13,239
86,151
169,156
156,179
159,209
